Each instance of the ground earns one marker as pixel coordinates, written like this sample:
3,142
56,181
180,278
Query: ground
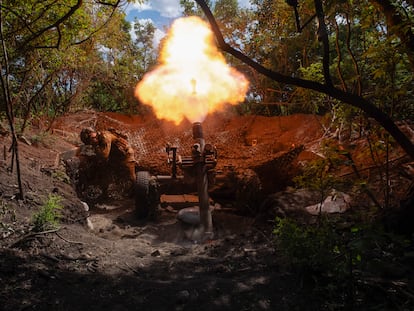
106,259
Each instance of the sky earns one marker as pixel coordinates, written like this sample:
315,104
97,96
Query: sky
161,13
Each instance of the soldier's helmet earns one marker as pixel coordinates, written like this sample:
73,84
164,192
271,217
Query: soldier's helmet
85,135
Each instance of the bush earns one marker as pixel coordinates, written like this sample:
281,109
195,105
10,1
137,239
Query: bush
342,265
308,247
48,216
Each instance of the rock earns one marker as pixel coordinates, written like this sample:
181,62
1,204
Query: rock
336,202
156,253
288,203
98,223
304,203
89,224
191,215
68,155
85,206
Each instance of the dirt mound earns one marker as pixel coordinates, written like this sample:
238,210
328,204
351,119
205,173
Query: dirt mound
247,140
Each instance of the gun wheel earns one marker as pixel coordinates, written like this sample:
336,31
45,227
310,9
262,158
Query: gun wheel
146,195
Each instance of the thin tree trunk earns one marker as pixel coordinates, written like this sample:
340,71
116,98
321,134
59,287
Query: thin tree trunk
9,108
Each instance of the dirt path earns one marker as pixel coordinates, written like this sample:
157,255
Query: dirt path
121,264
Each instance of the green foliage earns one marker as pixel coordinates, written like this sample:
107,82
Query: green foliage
68,57
190,8
60,49
48,215
226,10
312,72
144,32
105,98
252,107
392,78
366,57
318,174
42,139
312,248
61,175
308,100
341,260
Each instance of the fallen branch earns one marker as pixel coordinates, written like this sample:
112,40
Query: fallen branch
79,258
33,234
69,241
132,269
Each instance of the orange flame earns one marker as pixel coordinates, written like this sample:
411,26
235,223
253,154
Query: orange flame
193,78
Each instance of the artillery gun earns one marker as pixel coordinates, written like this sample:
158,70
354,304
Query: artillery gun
198,173
245,187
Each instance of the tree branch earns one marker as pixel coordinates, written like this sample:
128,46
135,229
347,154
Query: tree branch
345,97
115,6
339,62
56,24
109,3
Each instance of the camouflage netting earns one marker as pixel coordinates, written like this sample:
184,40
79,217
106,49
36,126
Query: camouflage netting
260,162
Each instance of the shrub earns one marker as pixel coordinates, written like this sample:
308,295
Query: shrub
308,247
48,216
341,265
42,139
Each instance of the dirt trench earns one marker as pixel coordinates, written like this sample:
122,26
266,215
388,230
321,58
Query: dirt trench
253,161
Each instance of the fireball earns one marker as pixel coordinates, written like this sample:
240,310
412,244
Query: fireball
192,78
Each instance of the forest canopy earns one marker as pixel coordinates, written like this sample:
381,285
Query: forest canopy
299,56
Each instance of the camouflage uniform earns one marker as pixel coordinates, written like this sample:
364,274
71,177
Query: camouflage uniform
112,158
113,148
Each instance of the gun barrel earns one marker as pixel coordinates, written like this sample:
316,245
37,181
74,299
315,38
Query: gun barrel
202,182
198,135
197,130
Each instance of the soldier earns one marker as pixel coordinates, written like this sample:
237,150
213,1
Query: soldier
112,150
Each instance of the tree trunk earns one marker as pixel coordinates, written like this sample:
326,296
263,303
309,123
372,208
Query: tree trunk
9,106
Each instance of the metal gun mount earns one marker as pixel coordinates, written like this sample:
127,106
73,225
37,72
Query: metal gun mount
198,170
201,154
